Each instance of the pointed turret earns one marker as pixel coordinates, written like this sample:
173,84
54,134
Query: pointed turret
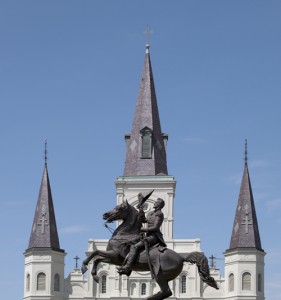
245,233
44,232
44,260
146,153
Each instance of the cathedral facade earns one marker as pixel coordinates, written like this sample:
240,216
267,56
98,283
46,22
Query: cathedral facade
145,170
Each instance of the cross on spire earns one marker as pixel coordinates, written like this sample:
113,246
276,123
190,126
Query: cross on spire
147,32
246,152
76,263
46,152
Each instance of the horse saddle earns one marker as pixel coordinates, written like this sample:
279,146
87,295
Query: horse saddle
154,257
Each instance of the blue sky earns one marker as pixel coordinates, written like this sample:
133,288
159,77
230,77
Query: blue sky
70,71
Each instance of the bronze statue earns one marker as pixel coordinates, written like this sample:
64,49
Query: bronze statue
124,248
153,236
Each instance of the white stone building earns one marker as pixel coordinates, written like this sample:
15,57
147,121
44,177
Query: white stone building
145,169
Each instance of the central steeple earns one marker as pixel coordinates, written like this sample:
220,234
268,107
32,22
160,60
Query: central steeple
146,145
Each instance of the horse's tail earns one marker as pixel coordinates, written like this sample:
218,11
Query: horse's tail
201,261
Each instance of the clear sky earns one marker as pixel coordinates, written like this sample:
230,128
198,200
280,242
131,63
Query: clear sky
70,71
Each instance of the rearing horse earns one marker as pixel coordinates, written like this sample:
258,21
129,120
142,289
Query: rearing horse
167,264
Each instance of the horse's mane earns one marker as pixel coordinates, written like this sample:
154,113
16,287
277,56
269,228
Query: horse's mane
131,224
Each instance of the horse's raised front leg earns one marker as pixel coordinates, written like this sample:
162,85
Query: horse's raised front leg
106,254
87,260
96,262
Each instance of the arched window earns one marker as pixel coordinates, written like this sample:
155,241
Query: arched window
231,282
103,284
143,289
28,282
57,283
146,148
183,284
133,289
259,283
246,281
41,282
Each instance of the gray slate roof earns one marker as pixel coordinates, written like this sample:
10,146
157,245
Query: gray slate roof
245,233
146,115
44,232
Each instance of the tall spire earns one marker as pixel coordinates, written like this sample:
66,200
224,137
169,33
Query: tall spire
146,153
245,233
44,232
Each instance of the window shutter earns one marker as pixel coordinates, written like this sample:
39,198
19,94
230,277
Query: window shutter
57,283
41,282
103,284
143,289
246,281
259,282
231,283
183,284
28,282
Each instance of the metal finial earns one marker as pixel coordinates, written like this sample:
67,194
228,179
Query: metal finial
148,31
76,263
46,152
246,152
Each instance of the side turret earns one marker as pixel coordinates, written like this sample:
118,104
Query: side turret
244,260
44,259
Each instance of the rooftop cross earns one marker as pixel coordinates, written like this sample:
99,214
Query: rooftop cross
246,152
148,31
212,261
45,152
76,263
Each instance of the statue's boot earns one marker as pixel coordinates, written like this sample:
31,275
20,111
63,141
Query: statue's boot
127,269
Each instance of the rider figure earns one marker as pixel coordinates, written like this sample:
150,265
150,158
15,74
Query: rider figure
153,235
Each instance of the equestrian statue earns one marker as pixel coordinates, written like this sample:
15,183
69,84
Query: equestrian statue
133,247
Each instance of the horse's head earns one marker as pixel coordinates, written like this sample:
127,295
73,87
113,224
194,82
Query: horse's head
120,212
